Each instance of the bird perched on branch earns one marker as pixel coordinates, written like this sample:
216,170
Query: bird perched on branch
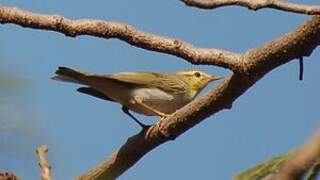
148,93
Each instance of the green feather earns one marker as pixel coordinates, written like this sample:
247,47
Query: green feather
168,82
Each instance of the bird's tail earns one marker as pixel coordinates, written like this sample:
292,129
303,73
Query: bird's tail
69,75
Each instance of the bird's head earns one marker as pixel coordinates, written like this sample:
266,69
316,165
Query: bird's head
197,80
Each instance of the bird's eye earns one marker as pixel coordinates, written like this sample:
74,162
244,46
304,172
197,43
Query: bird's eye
197,74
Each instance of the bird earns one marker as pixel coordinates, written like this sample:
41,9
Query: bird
147,93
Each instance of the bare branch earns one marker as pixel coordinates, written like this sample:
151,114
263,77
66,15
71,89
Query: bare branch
126,33
297,163
44,163
257,63
255,5
248,68
293,45
8,176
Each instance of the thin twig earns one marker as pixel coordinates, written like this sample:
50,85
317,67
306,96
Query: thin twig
301,68
255,5
4,175
44,164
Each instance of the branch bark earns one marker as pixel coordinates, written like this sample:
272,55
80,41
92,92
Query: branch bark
255,5
4,175
126,33
257,62
44,163
247,68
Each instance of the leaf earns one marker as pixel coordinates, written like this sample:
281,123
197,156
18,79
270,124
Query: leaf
266,169
262,170
313,172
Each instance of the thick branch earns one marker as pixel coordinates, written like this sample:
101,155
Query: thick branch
293,45
258,62
126,33
44,163
255,5
248,68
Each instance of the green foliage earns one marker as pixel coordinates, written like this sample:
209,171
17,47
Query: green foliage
266,169
262,170
313,172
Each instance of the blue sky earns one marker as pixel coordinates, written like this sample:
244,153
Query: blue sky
275,115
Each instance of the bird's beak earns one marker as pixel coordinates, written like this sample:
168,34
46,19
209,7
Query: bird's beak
214,78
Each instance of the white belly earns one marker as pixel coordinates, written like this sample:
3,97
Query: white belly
157,99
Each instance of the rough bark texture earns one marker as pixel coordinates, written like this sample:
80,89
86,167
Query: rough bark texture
255,5
126,33
256,63
247,69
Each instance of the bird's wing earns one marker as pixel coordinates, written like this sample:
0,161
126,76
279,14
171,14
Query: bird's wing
93,92
164,81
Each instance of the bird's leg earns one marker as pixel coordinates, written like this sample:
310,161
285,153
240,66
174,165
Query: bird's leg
126,111
161,114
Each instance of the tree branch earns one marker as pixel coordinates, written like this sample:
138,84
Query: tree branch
255,5
248,68
297,163
257,63
4,175
126,33
43,162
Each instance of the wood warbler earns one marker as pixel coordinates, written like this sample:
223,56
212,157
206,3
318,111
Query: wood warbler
148,93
